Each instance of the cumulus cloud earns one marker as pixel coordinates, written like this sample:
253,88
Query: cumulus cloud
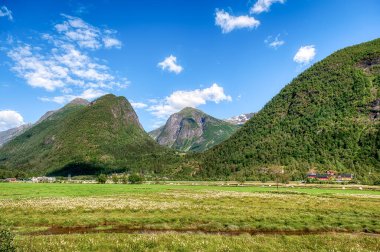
139,105
170,64
64,63
193,98
263,6
229,23
274,42
10,119
88,94
111,42
305,54
59,68
5,12
85,35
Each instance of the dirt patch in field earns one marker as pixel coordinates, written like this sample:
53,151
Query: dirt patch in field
58,230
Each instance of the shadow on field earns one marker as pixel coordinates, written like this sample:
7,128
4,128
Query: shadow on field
81,168
125,229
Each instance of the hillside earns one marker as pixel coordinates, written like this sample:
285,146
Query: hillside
86,138
326,118
192,130
8,135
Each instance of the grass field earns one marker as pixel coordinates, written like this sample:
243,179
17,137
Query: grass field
90,217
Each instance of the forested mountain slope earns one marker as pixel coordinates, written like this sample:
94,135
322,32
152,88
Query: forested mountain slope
86,138
326,118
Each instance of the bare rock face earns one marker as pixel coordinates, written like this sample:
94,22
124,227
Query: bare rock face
191,129
8,135
124,110
240,119
375,109
80,101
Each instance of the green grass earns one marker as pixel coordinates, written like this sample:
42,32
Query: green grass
28,208
31,190
174,242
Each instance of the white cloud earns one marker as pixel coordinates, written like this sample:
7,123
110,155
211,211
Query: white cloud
5,12
274,43
88,94
138,105
64,63
229,23
181,99
263,6
305,54
170,64
111,42
85,35
10,119
60,67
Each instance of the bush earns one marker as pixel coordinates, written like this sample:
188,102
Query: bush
135,179
115,179
102,179
6,241
124,179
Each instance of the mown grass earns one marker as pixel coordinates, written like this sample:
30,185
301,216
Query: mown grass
197,242
37,207
31,190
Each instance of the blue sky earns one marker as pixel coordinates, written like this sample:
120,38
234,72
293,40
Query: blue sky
225,57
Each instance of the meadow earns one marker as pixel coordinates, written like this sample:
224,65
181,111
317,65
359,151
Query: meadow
109,217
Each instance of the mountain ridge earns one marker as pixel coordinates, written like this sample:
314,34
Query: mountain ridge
82,138
192,130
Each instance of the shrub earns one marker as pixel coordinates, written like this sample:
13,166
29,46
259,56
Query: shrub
115,179
6,241
124,179
102,179
135,179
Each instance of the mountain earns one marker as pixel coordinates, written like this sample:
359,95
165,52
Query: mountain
240,119
192,130
326,118
8,135
86,138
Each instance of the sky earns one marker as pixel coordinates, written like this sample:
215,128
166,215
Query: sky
224,57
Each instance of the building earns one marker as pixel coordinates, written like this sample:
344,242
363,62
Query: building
43,179
323,177
312,175
345,177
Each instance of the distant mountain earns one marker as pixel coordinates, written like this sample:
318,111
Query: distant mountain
192,130
240,119
86,138
8,135
326,118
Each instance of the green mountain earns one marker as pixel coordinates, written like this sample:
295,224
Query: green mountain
192,130
85,138
326,118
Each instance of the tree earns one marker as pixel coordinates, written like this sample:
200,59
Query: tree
102,179
278,173
135,179
115,179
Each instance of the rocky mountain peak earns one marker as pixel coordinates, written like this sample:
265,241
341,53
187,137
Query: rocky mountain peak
79,101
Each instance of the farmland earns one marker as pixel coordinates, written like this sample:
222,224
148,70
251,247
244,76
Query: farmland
67,217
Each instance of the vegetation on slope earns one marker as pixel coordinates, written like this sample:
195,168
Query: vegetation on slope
86,139
326,118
